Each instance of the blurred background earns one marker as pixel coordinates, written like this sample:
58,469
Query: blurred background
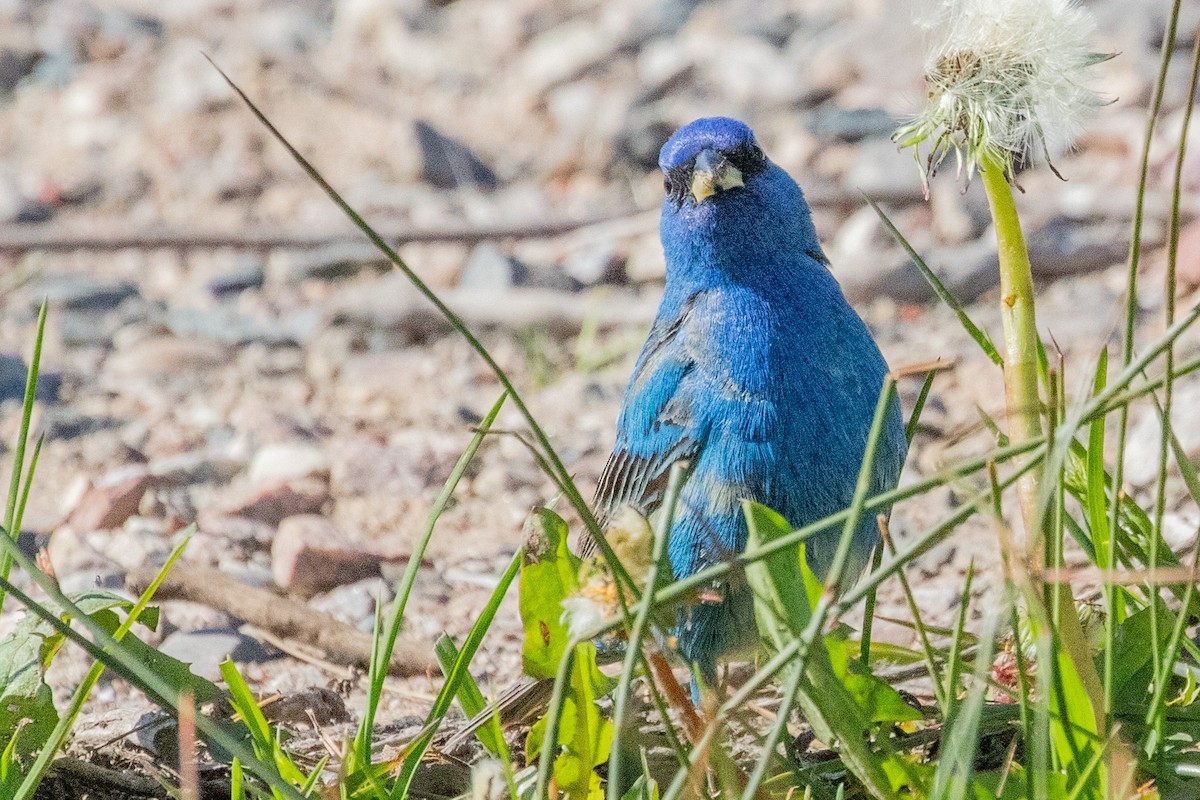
223,348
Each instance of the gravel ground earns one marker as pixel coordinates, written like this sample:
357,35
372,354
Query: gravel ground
221,349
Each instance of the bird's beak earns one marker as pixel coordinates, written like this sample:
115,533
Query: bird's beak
713,173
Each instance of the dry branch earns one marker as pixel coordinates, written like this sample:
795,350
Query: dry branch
284,617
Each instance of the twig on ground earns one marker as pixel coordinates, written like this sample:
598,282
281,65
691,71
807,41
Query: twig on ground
284,617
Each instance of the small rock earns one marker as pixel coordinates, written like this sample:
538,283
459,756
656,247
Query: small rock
84,328
205,649
490,268
401,468
1064,247
198,466
448,164
14,374
279,463
310,554
271,504
1144,442
107,506
317,703
79,292
224,324
163,357
852,125
354,603
337,261
1187,269
599,264
72,555
236,529
248,274
15,64
64,423
883,174
637,144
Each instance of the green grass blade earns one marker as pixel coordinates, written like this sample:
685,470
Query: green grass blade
979,335
457,673
18,465
123,663
66,722
641,621
385,643
953,777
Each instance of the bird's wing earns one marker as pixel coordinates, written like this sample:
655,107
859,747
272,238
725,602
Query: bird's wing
657,427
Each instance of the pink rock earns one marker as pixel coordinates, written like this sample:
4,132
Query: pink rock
272,504
108,506
310,555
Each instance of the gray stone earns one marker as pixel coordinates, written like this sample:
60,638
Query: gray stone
85,328
226,325
598,264
883,174
15,64
337,261
1064,247
205,649
449,164
353,603
248,274
853,124
14,374
75,291
490,268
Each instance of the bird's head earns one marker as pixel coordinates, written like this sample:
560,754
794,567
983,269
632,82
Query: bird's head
708,158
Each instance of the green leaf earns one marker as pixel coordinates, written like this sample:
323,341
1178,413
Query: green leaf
585,734
879,701
26,703
974,331
471,700
549,575
785,589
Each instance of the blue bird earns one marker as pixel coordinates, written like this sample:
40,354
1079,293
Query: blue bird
756,372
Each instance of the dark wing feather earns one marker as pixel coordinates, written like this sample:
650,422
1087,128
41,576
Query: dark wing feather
656,429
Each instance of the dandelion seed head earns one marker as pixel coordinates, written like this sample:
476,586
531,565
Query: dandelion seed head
1007,79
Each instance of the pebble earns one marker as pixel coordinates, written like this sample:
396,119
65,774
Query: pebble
15,64
108,505
337,261
14,375
310,554
1145,436
279,463
272,504
852,124
249,273
204,650
163,357
448,164
78,292
489,268
355,602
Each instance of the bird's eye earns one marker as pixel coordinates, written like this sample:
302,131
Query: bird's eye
675,184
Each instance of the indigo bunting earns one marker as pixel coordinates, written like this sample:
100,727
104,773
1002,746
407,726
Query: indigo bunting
756,372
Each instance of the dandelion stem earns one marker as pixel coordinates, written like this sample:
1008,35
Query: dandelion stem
1020,344
1025,414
